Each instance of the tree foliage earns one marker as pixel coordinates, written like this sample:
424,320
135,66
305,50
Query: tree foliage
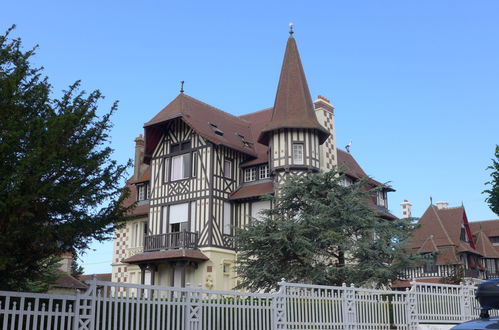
59,187
493,192
322,232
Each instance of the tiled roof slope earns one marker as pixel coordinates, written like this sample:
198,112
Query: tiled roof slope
293,106
441,229
257,121
198,115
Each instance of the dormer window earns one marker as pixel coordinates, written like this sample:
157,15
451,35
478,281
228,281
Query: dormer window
264,172
463,235
381,198
215,128
250,174
142,191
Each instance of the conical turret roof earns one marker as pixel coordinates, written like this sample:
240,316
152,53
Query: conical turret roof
293,106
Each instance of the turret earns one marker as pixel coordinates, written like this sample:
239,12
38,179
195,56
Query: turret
293,134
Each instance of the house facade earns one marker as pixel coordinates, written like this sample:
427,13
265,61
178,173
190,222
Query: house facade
453,247
200,173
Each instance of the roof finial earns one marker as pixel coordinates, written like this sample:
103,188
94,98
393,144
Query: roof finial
291,29
348,146
182,87
431,200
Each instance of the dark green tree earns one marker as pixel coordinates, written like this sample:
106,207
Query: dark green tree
59,187
493,192
76,268
323,232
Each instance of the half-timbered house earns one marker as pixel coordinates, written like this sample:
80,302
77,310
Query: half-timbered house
200,173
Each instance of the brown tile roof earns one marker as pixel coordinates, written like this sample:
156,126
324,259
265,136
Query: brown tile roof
489,227
106,277
146,176
142,208
198,115
67,281
258,121
407,283
253,190
441,228
484,246
350,167
163,255
293,106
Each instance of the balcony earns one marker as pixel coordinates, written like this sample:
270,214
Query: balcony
171,241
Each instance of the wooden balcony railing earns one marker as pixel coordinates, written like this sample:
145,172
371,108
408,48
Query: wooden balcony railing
170,241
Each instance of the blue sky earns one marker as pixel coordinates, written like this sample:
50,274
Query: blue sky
415,83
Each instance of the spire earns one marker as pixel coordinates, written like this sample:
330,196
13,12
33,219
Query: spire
293,107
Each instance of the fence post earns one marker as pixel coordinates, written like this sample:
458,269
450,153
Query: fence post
349,307
279,307
411,303
465,296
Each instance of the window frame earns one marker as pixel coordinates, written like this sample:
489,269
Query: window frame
231,170
186,170
252,177
266,170
293,154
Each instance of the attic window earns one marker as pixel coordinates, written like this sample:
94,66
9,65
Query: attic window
215,128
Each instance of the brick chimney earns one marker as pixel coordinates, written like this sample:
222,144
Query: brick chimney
65,263
406,209
442,205
139,154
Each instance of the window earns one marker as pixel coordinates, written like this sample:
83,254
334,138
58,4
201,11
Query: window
257,208
227,219
298,154
180,167
179,216
429,265
250,174
463,234
264,172
139,231
228,168
226,268
381,198
142,192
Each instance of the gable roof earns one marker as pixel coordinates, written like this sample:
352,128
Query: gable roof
484,246
441,228
293,106
200,117
257,121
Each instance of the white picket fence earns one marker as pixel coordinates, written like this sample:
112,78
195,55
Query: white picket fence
108,305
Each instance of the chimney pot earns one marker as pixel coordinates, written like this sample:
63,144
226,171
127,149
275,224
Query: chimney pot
442,205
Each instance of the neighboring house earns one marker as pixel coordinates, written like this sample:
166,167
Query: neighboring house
66,283
453,247
200,173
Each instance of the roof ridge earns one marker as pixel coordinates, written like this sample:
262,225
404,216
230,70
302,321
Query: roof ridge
217,109
255,112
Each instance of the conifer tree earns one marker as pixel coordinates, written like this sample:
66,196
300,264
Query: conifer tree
321,231
59,187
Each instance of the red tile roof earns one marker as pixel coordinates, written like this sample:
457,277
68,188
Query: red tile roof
142,208
253,190
258,120
293,106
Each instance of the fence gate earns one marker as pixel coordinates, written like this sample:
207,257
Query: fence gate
85,309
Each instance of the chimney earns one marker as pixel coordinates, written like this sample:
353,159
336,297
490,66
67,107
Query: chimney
139,154
324,103
442,205
65,263
406,209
